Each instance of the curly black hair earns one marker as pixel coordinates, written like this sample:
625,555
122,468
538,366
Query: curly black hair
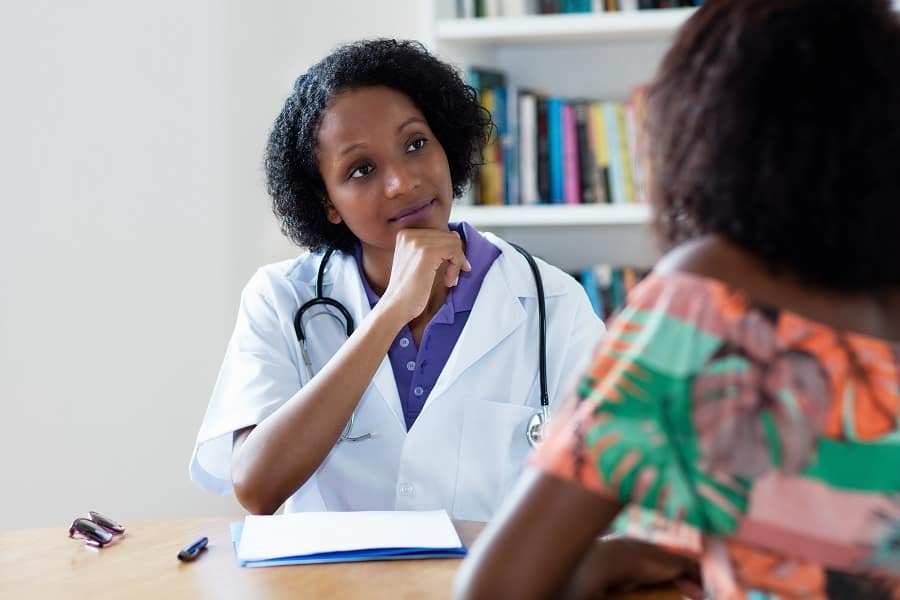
777,126
450,107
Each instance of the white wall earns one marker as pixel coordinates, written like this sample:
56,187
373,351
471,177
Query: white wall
133,211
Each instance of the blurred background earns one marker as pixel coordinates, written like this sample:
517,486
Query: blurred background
133,212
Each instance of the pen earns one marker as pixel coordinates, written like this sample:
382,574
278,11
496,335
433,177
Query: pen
191,552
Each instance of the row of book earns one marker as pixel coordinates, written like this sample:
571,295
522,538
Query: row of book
553,150
467,9
607,286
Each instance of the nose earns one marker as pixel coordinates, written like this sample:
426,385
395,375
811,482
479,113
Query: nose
399,180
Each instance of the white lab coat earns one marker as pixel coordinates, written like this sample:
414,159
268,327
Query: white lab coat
467,446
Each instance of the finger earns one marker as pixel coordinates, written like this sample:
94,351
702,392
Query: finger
460,256
458,261
451,275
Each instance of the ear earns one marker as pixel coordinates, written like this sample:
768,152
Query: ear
331,213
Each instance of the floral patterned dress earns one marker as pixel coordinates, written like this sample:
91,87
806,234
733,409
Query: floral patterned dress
763,443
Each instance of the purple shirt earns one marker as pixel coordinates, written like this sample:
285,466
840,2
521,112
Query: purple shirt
417,369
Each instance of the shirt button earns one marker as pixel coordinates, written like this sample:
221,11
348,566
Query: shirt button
406,489
411,365
418,391
404,342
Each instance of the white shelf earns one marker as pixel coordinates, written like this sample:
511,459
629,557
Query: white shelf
550,215
571,237
646,24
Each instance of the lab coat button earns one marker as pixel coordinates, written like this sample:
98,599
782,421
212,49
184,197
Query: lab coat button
406,489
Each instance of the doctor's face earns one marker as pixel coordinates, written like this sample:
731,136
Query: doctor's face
383,168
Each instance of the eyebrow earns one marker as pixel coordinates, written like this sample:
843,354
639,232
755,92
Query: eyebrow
352,147
412,119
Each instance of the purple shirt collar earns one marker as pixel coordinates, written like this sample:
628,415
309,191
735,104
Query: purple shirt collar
416,369
481,254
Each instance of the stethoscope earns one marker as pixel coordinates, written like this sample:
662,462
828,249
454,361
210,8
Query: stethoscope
534,431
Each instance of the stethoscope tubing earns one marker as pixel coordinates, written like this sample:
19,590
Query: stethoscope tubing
542,326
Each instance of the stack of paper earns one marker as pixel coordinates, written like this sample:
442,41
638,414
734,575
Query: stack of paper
318,537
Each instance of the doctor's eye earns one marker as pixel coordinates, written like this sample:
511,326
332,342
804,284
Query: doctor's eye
361,171
416,144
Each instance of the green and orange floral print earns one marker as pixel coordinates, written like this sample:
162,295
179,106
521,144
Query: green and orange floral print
763,443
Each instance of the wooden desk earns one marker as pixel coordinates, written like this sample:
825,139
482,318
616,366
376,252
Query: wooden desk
45,563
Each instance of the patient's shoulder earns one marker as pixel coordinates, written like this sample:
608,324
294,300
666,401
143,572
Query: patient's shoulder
716,259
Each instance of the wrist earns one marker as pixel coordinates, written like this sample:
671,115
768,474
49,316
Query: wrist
391,314
600,571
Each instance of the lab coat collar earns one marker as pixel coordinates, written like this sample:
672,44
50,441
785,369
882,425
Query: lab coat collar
496,314
305,268
517,273
342,267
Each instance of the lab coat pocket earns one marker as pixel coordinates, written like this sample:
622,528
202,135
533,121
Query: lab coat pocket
492,454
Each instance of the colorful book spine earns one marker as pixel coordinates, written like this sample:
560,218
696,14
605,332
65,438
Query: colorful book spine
641,158
601,151
591,290
571,175
555,141
616,168
587,173
631,125
528,154
491,188
504,145
543,151
513,191
576,6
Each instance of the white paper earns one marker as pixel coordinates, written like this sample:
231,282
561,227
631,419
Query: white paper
302,533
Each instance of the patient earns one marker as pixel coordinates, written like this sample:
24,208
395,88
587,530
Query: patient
743,410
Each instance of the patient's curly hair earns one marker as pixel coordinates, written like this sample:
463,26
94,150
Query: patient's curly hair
777,126
450,106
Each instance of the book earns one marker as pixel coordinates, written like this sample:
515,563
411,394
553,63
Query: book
490,85
510,146
592,290
543,151
483,78
571,177
324,537
616,166
514,8
528,151
586,161
490,176
555,142
601,151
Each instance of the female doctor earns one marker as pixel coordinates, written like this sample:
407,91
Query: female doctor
417,377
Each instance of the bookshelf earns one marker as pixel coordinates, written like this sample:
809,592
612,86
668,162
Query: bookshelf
563,28
571,237
596,55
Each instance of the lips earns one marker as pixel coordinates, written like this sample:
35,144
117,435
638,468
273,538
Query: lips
411,211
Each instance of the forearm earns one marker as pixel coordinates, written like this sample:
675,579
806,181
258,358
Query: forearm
532,547
283,451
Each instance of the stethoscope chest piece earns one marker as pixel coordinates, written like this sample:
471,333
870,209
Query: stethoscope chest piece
535,430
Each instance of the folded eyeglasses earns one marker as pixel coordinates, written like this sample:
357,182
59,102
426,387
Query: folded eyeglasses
96,531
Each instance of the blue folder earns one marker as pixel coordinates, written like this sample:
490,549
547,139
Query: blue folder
345,556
